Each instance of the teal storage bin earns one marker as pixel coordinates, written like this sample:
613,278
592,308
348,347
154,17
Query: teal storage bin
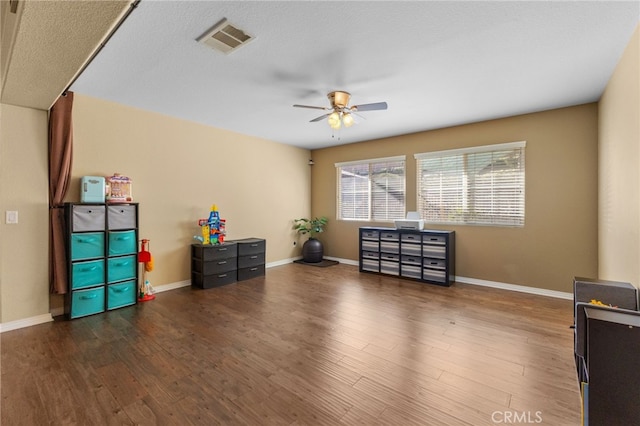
121,268
121,294
87,302
87,245
87,274
122,242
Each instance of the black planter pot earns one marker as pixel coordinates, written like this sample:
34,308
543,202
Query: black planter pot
312,251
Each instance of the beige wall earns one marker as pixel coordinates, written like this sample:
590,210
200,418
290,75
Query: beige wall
24,247
619,162
559,239
180,168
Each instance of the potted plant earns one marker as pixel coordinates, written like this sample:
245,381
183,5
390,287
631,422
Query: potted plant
312,250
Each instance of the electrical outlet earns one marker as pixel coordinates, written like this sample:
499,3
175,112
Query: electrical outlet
11,217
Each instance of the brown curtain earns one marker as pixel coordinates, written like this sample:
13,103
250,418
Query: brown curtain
60,157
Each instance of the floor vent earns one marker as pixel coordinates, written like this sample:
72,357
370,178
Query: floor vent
225,37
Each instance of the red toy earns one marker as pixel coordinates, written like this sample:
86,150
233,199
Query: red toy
144,256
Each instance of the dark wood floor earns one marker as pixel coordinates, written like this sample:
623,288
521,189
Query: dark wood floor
303,345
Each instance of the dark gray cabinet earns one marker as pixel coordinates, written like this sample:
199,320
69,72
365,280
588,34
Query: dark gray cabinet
251,258
424,255
102,246
613,367
231,261
214,265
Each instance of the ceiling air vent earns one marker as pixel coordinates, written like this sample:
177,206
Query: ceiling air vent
225,37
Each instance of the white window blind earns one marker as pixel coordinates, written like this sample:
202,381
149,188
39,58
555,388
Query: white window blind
480,185
371,190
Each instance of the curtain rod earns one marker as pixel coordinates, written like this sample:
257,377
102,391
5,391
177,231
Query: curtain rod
132,7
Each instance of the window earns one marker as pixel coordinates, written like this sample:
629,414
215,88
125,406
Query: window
480,186
371,189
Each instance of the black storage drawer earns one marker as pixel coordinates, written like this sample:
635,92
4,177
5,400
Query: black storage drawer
370,235
250,272
435,263
390,236
216,280
370,255
208,252
251,260
411,260
251,246
389,247
390,256
215,266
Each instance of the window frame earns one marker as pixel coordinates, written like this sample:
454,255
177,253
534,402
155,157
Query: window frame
370,163
466,215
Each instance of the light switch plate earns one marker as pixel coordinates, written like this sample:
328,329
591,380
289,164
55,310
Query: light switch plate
11,217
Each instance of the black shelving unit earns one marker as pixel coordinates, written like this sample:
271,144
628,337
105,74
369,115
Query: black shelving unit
424,255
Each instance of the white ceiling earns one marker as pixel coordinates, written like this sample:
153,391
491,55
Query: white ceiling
436,64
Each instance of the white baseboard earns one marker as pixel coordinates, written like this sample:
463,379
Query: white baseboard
57,311
171,286
515,287
26,322
486,283
281,262
345,261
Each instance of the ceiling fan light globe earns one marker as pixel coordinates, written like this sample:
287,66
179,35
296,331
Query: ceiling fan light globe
334,120
347,120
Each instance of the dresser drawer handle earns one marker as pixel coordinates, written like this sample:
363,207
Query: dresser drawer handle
222,276
126,263
222,262
254,257
222,249
89,297
254,245
123,238
433,263
121,290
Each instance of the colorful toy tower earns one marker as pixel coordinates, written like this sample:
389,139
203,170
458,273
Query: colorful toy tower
213,229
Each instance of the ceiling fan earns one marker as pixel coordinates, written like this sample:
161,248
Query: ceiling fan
341,113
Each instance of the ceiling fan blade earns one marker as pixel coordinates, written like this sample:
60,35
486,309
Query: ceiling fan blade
311,107
357,117
370,107
319,118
